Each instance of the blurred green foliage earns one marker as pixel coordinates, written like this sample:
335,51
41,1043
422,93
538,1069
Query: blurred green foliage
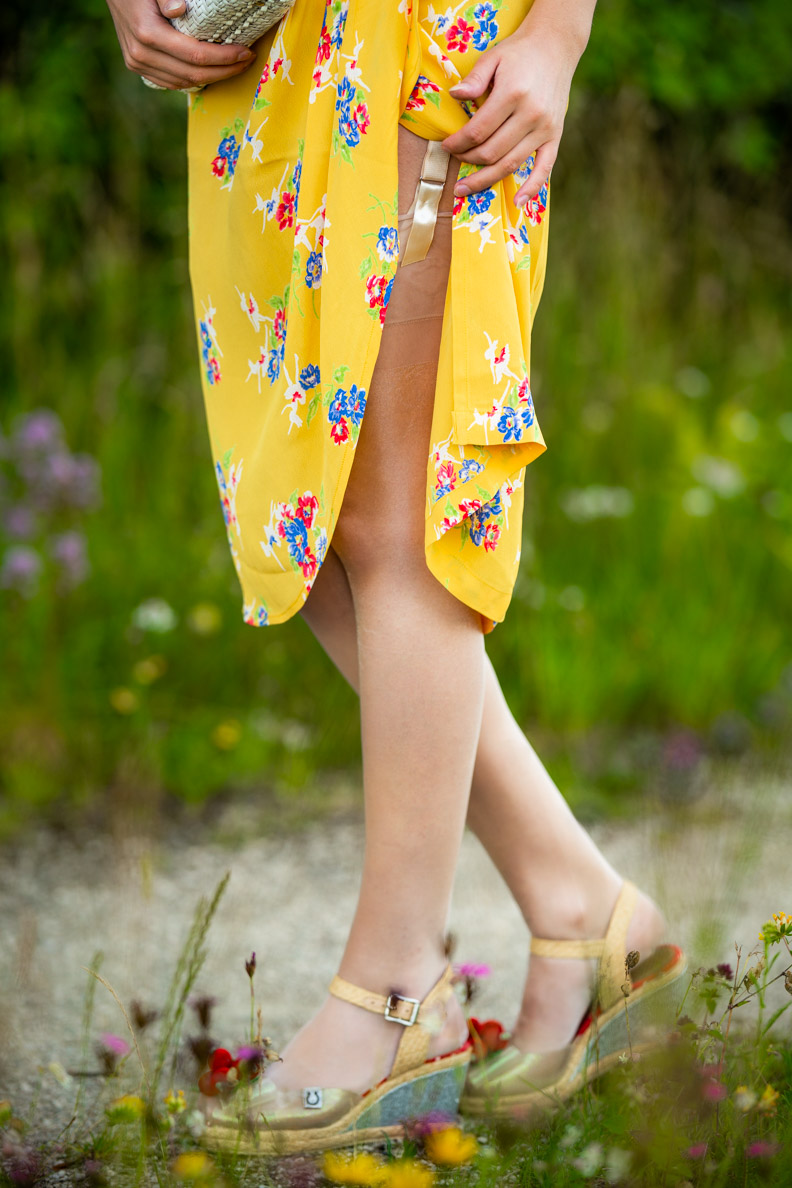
651,616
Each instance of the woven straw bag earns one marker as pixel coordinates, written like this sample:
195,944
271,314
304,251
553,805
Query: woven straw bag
239,21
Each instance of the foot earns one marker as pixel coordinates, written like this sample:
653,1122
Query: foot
559,990
345,1047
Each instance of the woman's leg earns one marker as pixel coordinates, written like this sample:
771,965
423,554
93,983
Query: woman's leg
419,726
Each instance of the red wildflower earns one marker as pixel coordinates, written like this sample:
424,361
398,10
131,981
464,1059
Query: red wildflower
487,1036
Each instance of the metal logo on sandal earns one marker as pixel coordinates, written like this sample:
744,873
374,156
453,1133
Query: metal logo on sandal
312,1099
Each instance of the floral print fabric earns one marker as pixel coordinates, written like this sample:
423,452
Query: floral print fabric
294,244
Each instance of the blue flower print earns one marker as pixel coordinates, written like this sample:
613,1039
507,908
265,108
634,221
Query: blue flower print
320,546
478,203
349,130
339,406
388,243
469,467
296,176
509,426
339,24
344,97
484,34
206,340
524,234
229,149
297,538
274,362
313,271
386,296
527,413
478,519
309,377
356,404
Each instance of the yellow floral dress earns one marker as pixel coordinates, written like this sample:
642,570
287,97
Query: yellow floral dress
293,181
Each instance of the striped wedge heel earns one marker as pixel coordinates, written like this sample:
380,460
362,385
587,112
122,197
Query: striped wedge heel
633,1009
261,1119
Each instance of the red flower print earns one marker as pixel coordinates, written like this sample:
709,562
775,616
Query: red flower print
285,210
375,290
308,564
468,506
446,476
276,65
317,77
279,324
491,537
214,367
339,431
501,355
459,202
219,166
361,117
458,35
487,1036
324,49
524,390
307,506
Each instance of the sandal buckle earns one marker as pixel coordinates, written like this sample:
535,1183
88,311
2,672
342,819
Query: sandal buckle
391,1004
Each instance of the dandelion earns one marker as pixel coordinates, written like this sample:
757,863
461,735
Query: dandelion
360,1169
451,1146
128,1108
193,1167
406,1173
768,1100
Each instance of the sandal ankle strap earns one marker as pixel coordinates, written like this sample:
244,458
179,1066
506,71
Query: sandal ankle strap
610,949
420,1018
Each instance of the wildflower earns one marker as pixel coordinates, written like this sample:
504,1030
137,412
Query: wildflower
470,969
114,1043
204,618
201,1047
713,1090
227,734
744,1098
193,1167
128,1108
250,966
174,1101
768,1100
725,971
202,1004
762,1150
487,1036
148,670
697,1151
123,700
450,1146
5,1112
23,1167
141,1018
406,1173
59,1073
617,1164
360,1169
154,615
21,570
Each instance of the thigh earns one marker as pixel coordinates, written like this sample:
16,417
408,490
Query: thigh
387,485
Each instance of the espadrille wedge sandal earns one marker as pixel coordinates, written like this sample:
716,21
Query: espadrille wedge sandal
632,1010
262,1119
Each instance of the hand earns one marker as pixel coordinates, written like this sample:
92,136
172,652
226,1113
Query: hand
153,48
528,76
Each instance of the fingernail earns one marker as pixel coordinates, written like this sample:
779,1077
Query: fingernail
461,190
245,56
520,200
173,7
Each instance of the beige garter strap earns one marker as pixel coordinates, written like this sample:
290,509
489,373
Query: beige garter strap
434,171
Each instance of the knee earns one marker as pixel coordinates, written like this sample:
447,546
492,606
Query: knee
370,544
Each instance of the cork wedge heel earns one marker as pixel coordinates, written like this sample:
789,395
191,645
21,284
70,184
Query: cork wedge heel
262,1119
632,1010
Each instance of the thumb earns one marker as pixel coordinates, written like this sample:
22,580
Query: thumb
476,82
171,8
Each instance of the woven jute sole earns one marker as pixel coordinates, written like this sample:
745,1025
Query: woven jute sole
382,1113
626,1032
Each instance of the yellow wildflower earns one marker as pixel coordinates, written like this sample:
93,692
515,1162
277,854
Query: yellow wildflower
769,1099
406,1173
226,735
194,1167
128,1108
175,1101
204,618
123,700
450,1146
149,669
362,1169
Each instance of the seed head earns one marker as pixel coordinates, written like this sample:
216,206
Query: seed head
633,957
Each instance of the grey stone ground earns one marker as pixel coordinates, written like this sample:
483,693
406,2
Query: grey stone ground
719,865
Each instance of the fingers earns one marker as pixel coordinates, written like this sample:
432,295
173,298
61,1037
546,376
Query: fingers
545,160
498,107
174,74
172,8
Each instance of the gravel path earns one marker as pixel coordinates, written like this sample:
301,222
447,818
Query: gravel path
719,865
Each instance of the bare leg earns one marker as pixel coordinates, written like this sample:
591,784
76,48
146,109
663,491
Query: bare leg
419,731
